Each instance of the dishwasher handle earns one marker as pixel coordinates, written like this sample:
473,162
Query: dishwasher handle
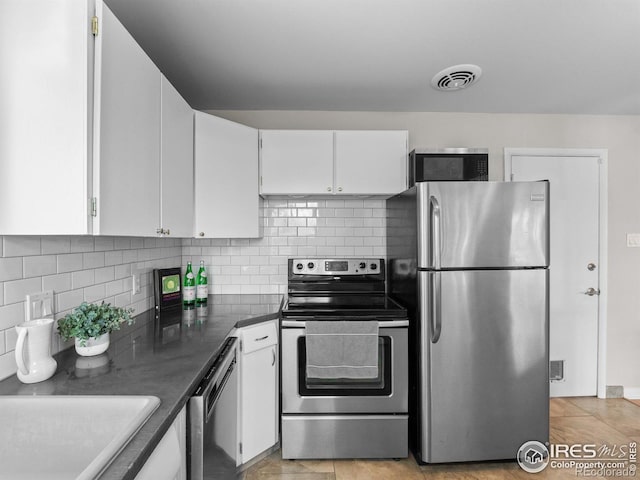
217,377
213,394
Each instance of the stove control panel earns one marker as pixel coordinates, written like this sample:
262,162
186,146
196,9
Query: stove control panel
332,266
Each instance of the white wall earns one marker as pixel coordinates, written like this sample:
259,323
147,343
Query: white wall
619,134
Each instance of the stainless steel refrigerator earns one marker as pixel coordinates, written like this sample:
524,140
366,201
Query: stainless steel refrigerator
470,262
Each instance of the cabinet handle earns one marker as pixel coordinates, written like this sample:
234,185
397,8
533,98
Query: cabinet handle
167,232
328,189
160,231
339,189
261,338
201,234
273,362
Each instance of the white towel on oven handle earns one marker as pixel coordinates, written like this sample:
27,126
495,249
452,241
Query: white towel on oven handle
342,349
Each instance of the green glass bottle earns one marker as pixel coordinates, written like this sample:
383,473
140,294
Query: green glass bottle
189,287
202,289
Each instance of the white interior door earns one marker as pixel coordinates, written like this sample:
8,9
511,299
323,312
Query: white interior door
575,267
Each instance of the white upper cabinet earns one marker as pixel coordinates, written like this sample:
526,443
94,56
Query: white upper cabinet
226,179
327,162
176,187
296,162
371,162
85,122
45,125
126,133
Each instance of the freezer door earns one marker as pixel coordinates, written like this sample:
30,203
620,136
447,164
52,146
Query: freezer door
483,224
484,382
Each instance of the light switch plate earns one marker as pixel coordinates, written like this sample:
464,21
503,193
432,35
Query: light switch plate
633,239
39,305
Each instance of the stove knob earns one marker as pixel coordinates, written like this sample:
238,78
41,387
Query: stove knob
311,265
363,265
299,266
373,266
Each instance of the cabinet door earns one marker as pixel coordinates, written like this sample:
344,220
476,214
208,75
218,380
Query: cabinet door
296,162
127,132
44,129
168,461
371,162
259,402
226,179
176,172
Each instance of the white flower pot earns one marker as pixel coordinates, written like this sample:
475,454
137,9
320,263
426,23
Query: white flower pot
93,346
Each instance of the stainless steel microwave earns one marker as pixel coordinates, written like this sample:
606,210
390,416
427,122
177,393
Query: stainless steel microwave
448,164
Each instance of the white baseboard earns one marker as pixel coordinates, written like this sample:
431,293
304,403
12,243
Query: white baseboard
632,393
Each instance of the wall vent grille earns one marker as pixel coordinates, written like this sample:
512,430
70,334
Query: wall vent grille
556,370
456,77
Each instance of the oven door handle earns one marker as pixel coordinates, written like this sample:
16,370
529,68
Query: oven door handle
381,323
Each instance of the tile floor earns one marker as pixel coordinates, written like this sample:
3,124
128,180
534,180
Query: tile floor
573,420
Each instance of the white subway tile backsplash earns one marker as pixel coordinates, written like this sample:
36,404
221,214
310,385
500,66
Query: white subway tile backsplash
114,288
94,293
7,365
58,283
69,262
105,274
15,290
11,315
55,245
18,246
99,268
10,340
114,257
39,265
10,268
122,243
83,278
82,244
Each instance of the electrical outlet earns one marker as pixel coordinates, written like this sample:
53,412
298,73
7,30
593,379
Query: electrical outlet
633,239
39,305
135,282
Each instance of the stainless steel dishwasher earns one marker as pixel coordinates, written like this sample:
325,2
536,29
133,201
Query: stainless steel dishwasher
213,420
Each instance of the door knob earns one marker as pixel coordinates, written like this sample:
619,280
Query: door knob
592,291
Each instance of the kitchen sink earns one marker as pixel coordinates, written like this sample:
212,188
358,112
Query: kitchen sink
67,437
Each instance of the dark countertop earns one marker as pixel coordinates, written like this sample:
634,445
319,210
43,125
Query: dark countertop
165,357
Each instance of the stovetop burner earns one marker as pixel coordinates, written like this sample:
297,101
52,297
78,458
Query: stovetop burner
339,288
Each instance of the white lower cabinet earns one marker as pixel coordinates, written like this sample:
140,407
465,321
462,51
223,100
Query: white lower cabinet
258,362
169,459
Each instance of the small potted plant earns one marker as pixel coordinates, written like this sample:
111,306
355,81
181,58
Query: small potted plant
91,324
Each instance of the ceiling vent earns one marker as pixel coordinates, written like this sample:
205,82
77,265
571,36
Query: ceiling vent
456,77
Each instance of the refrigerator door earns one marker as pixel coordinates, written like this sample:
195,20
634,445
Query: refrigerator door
484,383
482,224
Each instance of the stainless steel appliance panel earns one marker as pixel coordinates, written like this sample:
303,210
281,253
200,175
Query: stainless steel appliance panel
484,384
341,436
294,402
482,225
213,416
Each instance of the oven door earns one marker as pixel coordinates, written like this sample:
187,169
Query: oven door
386,394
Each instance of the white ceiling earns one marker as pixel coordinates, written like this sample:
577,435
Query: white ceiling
537,56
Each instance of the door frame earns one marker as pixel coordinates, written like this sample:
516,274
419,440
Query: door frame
602,156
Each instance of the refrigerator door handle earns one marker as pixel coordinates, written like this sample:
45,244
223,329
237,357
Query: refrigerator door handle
435,233
435,323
